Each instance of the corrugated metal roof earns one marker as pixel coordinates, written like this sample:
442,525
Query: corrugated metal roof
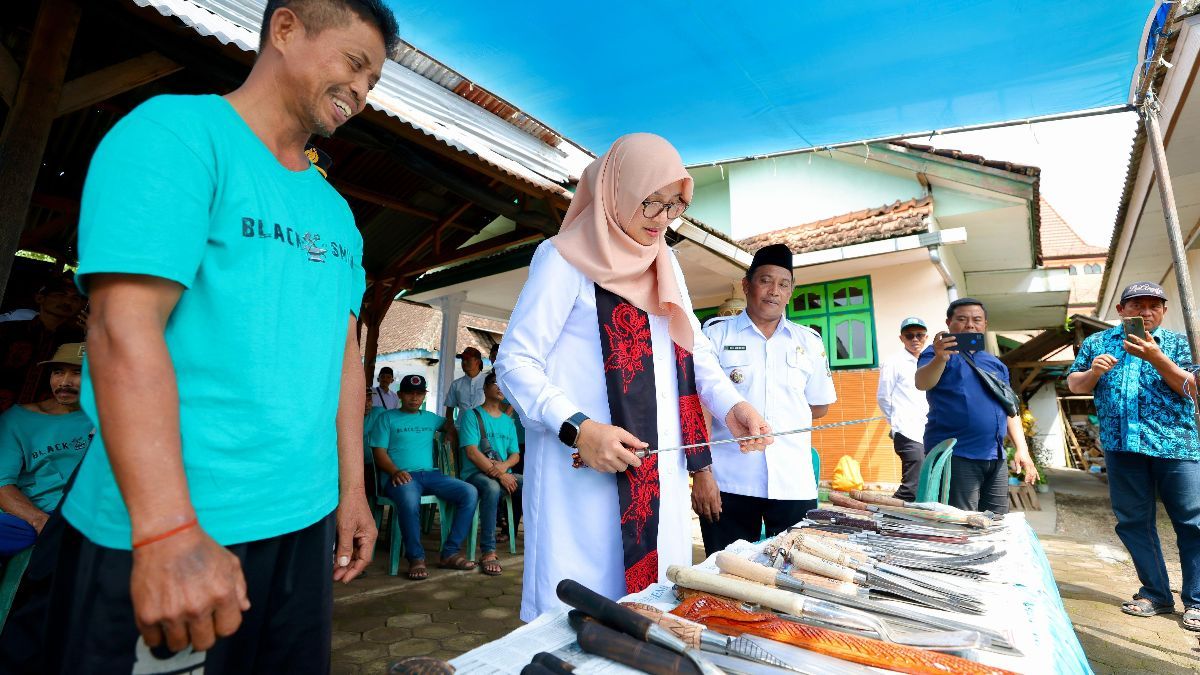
409,97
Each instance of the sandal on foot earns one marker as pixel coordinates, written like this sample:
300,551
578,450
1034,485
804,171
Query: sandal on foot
1140,606
417,570
1191,619
490,565
456,562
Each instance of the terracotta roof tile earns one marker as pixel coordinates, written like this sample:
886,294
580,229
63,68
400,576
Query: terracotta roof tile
974,159
897,219
411,325
1059,239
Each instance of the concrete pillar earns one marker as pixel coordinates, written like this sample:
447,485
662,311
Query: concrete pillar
451,306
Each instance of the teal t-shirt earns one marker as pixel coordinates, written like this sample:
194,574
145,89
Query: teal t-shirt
408,438
38,452
271,265
368,425
501,433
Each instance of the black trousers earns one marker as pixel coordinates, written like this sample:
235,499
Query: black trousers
979,484
289,580
912,455
742,517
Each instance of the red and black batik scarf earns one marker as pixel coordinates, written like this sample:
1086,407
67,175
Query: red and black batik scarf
633,403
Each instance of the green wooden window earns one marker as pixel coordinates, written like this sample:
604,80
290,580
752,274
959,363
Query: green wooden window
842,312
705,313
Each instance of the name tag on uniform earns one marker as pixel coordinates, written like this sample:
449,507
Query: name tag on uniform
735,348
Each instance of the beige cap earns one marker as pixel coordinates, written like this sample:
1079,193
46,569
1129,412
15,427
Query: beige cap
70,353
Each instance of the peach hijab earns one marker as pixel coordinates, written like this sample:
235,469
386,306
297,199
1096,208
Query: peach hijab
593,238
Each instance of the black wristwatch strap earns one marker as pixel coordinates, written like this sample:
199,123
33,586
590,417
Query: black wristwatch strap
569,432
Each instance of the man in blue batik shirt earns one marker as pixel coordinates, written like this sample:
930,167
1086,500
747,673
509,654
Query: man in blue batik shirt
1148,433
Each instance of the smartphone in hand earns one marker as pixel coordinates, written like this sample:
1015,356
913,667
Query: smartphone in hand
967,342
1134,325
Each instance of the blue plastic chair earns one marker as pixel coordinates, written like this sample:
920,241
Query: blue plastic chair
934,485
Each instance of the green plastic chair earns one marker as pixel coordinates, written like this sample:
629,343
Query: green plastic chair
934,485
10,579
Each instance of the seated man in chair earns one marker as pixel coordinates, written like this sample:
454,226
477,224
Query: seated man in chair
40,446
402,446
488,439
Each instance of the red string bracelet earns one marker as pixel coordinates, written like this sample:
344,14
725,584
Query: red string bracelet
169,533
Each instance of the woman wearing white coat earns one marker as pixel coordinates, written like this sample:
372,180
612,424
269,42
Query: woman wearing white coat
603,355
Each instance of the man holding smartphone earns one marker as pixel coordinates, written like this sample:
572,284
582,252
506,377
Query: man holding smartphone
961,406
1136,373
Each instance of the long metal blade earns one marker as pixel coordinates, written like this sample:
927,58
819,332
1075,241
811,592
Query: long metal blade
777,434
743,648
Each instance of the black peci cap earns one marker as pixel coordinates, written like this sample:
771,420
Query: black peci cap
775,254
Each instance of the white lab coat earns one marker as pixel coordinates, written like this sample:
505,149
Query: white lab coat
550,366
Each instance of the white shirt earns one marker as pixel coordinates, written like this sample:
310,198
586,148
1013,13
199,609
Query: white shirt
466,393
899,398
781,377
384,398
550,367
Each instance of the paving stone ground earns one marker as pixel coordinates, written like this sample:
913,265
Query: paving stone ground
379,619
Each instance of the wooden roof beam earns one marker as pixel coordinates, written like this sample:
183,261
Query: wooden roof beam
106,83
483,248
10,75
352,190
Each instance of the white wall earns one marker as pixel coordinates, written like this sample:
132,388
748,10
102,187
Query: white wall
1044,406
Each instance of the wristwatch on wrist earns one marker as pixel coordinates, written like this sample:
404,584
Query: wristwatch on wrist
703,470
568,433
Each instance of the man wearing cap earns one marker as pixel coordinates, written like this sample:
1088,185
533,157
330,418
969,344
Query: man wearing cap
905,406
40,446
402,443
961,406
1148,432
781,369
382,395
24,343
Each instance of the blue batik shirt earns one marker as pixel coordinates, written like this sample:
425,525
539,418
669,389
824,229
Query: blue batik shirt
1138,411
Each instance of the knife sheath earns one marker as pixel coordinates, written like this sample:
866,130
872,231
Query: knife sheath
598,639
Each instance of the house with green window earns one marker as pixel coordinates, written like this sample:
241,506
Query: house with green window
878,233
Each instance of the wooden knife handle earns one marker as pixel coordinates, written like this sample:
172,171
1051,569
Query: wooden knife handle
606,611
688,631
824,568
872,498
833,554
536,669
730,563
553,663
738,589
839,499
601,640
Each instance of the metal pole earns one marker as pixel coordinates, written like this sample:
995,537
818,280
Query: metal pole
1183,277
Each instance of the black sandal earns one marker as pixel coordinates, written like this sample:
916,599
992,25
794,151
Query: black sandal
1140,606
417,570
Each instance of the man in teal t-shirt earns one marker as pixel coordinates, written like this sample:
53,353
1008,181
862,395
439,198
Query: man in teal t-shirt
402,443
489,455
40,446
217,257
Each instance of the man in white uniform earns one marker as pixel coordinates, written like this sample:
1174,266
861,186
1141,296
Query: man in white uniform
780,368
905,405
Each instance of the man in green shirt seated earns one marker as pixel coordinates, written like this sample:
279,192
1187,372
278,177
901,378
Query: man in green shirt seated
40,446
488,439
402,446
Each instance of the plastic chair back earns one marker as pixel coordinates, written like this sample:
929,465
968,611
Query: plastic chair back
934,485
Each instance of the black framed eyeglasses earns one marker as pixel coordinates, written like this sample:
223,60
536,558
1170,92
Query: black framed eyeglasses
651,209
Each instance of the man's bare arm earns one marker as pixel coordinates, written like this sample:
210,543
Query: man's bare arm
14,502
186,588
356,531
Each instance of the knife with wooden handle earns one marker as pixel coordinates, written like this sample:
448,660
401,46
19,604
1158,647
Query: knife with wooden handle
596,638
